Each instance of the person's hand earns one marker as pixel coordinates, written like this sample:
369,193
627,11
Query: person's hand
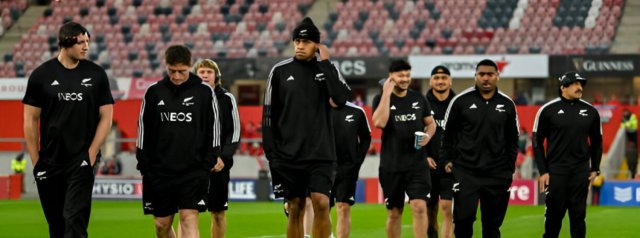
92,156
592,176
388,86
324,52
219,166
432,163
448,167
543,182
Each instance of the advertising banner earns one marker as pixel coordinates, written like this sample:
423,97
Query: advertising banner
464,66
139,86
12,88
523,192
596,65
117,188
620,193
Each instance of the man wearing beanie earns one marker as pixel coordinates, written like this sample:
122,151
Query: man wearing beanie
297,130
571,160
401,112
439,97
479,145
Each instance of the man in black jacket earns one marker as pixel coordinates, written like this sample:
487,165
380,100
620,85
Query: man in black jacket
480,139
68,99
297,130
571,161
218,197
401,112
178,143
439,97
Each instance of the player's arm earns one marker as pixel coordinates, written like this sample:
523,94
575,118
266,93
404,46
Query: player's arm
539,134
512,133
450,127
232,138
337,87
104,126
213,137
270,114
595,147
364,137
31,118
429,123
382,110
146,142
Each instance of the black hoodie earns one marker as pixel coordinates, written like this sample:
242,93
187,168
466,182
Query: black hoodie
178,128
296,123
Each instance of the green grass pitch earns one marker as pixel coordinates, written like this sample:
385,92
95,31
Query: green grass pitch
266,219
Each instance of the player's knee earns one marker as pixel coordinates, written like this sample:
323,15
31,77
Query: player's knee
394,214
218,215
162,225
418,207
343,208
446,208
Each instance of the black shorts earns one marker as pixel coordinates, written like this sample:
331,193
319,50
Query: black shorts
416,184
442,188
297,180
164,196
218,197
344,190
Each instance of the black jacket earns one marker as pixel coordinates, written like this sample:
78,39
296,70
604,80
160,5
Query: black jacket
230,125
178,128
480,136
353,137
296,122
438,109
574,137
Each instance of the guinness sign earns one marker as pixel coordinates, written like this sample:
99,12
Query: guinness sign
596,65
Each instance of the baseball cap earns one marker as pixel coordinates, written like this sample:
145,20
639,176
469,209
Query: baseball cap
440,70
570,77
306,30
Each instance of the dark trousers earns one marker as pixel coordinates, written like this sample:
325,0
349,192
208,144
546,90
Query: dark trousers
566,192
632,157
65,196
493,195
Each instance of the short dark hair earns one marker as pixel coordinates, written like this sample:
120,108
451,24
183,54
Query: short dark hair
177,54
399,65
68,32
487,62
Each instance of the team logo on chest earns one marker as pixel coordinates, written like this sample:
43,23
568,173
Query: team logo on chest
500,108
319,77
583,112
86,82
349,118
415,105
188,101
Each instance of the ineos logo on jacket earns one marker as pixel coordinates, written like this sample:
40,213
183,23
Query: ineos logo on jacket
176,116
70,96
406,117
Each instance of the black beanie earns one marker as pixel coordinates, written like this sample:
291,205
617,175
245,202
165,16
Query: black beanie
306,30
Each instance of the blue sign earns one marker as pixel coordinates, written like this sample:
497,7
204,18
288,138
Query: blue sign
620,193
242,190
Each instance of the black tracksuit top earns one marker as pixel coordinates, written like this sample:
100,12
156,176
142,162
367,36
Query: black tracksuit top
178,128
296,123
438,109
574,137
353,137
480,136
70,101
229,123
